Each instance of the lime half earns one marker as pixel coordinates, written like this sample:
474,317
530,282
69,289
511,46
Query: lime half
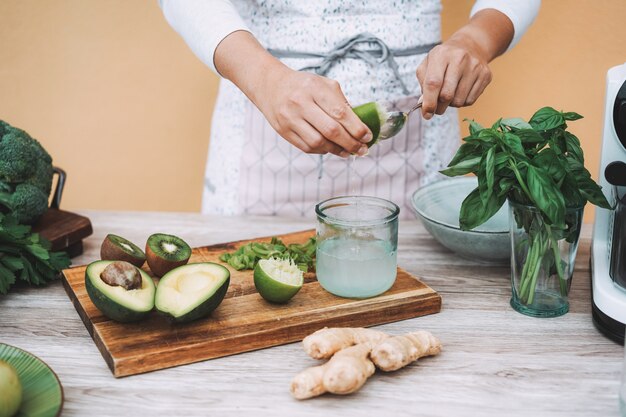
374,115
277,280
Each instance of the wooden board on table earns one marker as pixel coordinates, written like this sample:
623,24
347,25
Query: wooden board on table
64,229
244,321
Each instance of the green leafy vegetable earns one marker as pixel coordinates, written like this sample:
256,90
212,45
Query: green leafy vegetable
26,256
536,163
247,256
25,174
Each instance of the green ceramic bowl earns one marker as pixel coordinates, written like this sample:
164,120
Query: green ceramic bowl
42,394
438,206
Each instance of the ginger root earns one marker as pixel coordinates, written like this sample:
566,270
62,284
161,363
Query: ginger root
398,351
356,352
344,373
325,342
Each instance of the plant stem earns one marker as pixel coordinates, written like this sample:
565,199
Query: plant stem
557,260
536,269
529,264
518,175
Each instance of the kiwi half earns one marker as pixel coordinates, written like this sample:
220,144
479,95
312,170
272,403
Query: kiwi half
166,252
116,248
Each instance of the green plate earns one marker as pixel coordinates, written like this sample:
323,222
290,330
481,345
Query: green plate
42,391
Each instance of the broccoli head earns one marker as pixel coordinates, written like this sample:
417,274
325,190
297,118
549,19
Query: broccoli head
23,161
27,202
17,158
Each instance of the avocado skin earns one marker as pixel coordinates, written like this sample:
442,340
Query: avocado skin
205,308
111,308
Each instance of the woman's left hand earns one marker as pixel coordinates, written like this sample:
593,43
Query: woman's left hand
456,73
453,74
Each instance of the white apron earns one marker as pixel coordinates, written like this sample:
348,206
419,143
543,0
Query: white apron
252,170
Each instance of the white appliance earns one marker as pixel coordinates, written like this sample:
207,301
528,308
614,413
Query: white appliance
608,250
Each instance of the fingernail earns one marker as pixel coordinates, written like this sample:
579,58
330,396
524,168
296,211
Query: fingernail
344,154
428,116
367,138
363,150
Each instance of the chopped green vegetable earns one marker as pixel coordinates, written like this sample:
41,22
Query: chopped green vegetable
247,256
26,256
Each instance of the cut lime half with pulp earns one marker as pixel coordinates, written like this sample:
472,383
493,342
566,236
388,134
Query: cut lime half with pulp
277,280
374,115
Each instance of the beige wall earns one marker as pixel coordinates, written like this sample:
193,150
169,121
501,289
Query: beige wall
124,106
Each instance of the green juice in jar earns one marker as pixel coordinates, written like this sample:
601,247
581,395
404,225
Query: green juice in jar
356,268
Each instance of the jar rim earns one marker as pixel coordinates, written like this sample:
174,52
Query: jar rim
348,200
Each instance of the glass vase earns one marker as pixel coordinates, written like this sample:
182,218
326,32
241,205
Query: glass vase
542,260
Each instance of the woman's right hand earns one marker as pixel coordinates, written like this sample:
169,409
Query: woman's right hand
308,110
312,113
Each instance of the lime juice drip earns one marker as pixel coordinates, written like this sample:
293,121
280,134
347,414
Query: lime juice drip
352,177
349,266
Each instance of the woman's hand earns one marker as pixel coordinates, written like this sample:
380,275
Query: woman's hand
309,111
456,73
452,74
312,113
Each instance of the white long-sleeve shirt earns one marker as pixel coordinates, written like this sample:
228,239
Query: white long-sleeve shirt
205,23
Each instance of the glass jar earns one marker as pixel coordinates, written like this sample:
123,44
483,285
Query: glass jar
542,260
357,243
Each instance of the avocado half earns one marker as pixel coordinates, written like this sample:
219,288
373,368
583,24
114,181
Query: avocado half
192,291
118,303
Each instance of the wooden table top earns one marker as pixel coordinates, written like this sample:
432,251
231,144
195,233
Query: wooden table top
496,362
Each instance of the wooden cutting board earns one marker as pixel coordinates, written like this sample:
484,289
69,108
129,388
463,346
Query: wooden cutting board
244,321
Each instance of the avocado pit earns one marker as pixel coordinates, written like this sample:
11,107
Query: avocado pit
121,274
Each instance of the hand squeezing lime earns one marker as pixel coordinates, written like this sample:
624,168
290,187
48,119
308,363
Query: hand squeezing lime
277,280
374,115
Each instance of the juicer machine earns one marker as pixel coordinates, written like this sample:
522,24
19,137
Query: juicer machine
608,250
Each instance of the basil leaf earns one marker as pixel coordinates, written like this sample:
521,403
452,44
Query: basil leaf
513,144
504,186
547,118
474,212
465,151
486,176
487,137
529,136
471,211
593,193
516,123
573,148
463,167
571,116
497,124
549,161
571,192
474,127
545,195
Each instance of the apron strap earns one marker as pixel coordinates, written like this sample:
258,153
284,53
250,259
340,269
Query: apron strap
348,48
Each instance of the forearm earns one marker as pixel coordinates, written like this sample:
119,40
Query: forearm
241,59
488,33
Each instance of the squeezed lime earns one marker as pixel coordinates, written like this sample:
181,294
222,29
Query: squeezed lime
277,280
374,115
